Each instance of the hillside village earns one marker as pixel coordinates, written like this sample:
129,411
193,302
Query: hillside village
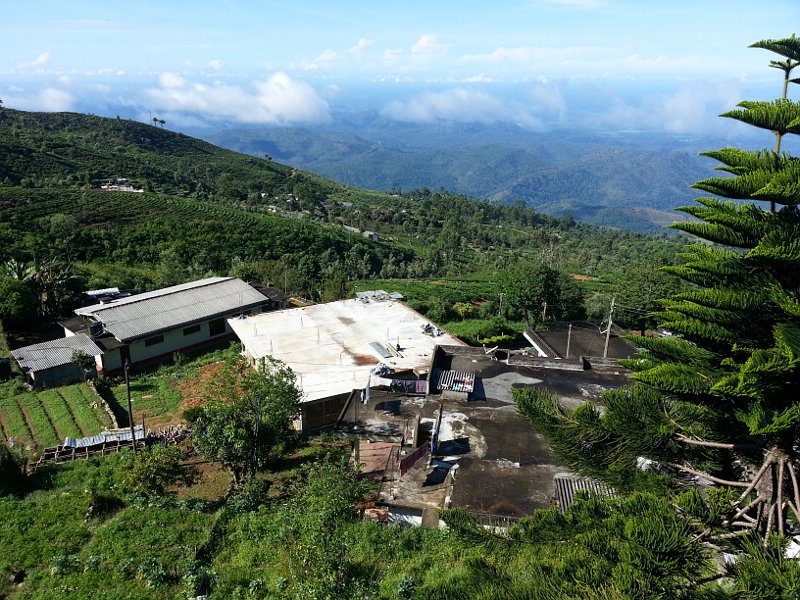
355,378
389,396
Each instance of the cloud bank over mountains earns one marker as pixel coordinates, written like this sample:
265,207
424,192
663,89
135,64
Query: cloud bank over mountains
278,100
539,64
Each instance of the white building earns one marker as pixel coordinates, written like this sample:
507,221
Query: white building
333,347
148,328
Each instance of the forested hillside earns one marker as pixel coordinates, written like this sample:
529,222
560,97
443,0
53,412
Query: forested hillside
594,179
211,211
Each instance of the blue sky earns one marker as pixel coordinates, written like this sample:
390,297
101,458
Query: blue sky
660,65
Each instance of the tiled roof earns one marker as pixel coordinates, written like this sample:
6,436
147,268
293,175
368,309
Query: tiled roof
147,314
54,353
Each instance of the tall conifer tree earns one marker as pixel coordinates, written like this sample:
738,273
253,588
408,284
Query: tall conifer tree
720,400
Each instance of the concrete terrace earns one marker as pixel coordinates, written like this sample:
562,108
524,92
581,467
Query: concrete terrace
504,468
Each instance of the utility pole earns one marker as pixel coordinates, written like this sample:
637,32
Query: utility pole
608,331
125,366
569,338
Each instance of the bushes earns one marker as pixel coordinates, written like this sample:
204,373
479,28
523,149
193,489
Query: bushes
485,331
12,470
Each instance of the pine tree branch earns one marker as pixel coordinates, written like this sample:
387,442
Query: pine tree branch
700,536
745,524
704,580
781,463
770,519
796,506
740,484
694,442
753,482
733,534
747,508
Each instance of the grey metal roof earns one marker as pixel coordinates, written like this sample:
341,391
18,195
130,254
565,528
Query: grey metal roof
150,313
54,353
111,435
567,485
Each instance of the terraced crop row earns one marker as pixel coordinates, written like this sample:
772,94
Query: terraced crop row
102,206
86,417
45,418
15,427
60,414
44,434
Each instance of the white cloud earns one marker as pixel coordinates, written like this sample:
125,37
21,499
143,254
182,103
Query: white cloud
692,109
426,44
548,98
42,59
695,108
392,54
45,100
278,100
459,105
34,65
316,64
362,44
216,64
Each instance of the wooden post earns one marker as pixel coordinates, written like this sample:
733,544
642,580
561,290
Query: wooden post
126,365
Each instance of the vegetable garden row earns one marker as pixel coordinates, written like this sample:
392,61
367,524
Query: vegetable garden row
42,419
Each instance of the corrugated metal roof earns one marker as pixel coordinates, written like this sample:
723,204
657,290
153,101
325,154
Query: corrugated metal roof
146,314
112,435
54,353
567,485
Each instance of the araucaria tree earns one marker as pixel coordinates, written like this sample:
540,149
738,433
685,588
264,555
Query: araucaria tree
720,400
247,421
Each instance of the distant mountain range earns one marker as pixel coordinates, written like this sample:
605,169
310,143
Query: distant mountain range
630,180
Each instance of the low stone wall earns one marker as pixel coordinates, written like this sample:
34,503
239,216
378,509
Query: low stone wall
116,418
535,362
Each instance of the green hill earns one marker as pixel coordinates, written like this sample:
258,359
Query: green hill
206,210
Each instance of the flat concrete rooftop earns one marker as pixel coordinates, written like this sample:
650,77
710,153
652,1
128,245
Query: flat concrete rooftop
505,468
328,345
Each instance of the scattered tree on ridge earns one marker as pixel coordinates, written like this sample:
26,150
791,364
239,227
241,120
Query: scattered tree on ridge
539,292
247,421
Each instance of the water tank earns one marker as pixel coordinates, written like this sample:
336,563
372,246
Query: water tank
95,328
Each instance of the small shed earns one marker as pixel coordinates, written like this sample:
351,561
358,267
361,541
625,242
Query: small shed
49,364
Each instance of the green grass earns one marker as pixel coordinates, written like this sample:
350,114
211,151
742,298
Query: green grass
473,330
427,290
127,551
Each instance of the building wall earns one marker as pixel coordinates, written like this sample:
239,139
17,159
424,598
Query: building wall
163,345
321,413
56,376
110,360
177,339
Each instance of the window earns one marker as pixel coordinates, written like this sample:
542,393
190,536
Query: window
191,329
152,341
216,327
